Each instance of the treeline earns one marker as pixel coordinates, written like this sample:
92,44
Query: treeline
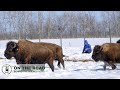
59,24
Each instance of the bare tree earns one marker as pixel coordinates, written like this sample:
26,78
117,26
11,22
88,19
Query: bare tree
83,22
49,24
58,24
108,20
4,22
40,23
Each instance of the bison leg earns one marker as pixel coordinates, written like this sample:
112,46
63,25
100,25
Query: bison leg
104,67
51,66
105,64
50,63
18,62
112,65
59,64
62,62
27,60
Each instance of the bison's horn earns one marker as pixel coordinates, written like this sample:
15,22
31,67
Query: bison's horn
100,50
14,46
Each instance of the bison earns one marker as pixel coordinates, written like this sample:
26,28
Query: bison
27,52
109,53
57,51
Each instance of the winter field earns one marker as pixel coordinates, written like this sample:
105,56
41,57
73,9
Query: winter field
77,65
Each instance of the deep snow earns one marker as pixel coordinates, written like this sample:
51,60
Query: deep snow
72,48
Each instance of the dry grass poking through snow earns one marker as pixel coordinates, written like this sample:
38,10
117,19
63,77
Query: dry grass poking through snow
86,60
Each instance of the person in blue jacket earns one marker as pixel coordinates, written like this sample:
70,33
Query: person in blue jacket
87,47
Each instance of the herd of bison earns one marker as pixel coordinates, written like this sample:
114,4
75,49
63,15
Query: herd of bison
27,52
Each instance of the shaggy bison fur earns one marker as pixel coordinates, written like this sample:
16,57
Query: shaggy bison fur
57,51
108,52
27,52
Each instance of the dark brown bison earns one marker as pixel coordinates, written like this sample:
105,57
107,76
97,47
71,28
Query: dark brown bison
27,52
57,51
108,52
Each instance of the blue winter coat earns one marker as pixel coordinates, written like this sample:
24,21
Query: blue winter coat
87,47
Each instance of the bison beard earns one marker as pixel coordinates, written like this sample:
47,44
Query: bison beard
25,52
109,53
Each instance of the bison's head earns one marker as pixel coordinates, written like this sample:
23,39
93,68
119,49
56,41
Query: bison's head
97,53
11,49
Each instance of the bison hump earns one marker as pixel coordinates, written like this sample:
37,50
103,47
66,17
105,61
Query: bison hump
106,47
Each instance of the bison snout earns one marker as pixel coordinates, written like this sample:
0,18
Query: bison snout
7,55
94,58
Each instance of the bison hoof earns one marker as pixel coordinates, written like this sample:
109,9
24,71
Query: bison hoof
59,66
104,67
113,67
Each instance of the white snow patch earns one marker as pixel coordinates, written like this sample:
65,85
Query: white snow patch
72,49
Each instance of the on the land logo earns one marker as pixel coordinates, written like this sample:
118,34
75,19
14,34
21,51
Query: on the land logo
6,69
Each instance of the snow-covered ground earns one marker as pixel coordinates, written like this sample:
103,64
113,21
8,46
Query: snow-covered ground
75,68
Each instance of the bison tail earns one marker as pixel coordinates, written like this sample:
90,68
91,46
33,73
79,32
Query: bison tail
65,56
